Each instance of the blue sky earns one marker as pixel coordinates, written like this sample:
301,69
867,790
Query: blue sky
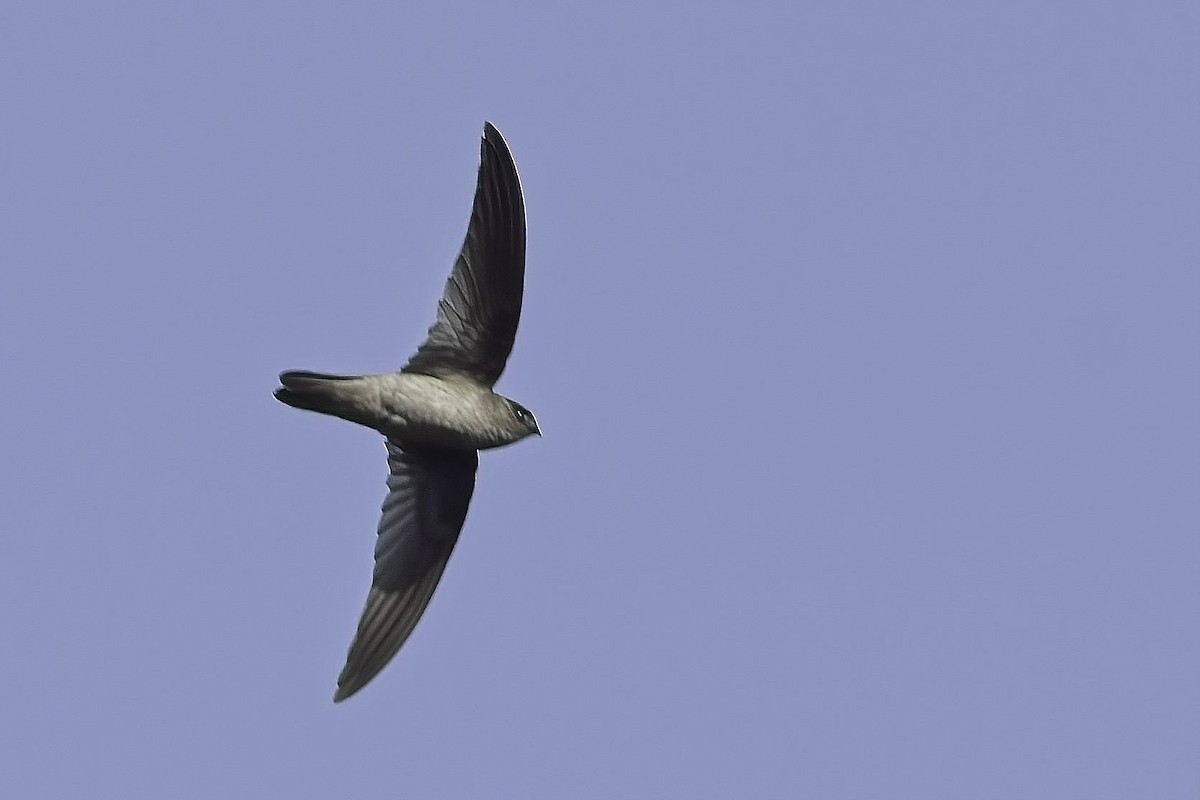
863,337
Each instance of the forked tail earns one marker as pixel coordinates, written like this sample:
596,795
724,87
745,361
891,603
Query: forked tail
312,391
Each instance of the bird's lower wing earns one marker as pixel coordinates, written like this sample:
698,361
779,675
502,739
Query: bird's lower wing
429,491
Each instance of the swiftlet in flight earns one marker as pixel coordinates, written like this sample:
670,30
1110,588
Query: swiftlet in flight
436,413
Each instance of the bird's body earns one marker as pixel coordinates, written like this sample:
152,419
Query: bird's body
436,414
410,407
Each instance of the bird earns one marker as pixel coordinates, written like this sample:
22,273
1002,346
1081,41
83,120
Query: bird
436,414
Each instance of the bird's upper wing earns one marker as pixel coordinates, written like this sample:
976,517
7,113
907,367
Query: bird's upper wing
430,489
478,313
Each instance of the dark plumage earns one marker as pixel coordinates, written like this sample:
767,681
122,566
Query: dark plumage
437,413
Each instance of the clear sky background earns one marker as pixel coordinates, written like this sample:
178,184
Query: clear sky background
863,336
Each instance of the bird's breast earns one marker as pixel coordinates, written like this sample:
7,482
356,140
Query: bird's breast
434,411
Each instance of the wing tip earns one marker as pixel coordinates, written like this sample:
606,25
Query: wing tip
493,137
349,683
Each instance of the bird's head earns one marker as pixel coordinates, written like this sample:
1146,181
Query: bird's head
523,420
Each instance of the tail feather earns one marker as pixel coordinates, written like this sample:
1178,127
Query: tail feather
313,391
